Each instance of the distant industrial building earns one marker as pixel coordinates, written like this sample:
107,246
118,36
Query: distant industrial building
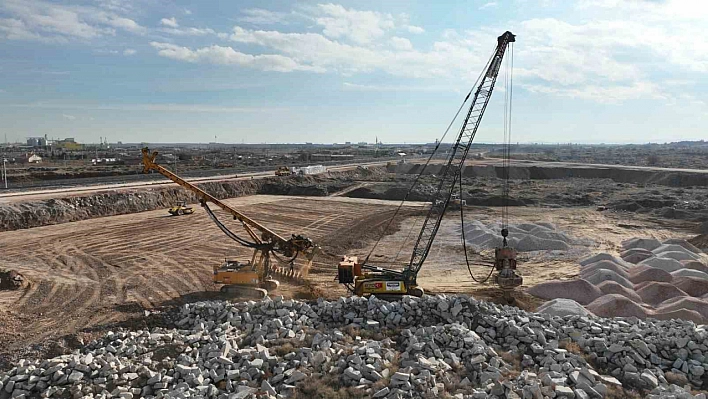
37,141
68,144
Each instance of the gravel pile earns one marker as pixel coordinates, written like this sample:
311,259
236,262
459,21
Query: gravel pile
418,347
524,237
650,279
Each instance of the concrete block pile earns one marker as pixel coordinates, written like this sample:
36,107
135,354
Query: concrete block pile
422,347
649,279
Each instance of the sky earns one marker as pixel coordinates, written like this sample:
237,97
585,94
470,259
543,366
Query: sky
585,71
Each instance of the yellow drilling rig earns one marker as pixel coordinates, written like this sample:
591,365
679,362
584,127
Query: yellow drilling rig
254,277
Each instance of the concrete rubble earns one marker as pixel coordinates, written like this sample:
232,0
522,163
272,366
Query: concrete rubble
417,347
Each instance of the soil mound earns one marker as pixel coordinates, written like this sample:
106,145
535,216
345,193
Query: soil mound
651,274
636,255
695,265
590,269
601,257
703,228
581,291
669,265
611,287
603,275
690,273
696,287
644,243
563,307
677,255
654,293
524,237
700,241
616,305
683,314
684,244
674,248
689,303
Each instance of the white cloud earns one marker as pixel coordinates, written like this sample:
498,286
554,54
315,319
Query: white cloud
228,56
126,24
360,27
38,20
189,31
415,29
488,5
401,43
129,51
68,117
171,22
259,16
608,59
187,11
444,59
603,94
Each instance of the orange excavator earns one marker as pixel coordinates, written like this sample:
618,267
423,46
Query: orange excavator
254,277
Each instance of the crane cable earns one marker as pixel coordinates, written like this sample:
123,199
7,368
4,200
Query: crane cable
464,242
226,230
506,163
415,181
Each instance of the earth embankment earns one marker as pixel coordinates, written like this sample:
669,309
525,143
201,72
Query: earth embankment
547,171
21,215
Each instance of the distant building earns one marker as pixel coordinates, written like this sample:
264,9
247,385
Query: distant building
105,161
68,144
36,141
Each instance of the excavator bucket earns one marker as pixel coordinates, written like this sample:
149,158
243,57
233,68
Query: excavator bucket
148,159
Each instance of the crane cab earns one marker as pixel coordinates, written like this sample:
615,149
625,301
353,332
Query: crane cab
379,282
236,272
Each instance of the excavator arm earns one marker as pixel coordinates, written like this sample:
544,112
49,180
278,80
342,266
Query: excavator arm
288,247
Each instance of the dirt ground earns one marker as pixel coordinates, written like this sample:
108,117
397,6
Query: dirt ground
94,275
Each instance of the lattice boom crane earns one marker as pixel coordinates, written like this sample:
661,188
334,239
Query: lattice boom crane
373,280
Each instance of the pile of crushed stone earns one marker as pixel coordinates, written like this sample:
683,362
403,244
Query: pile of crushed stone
434,346
650,279
524,237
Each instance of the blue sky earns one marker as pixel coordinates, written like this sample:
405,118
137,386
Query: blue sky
588,71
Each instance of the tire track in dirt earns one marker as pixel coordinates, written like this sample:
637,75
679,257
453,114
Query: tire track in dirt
89,274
